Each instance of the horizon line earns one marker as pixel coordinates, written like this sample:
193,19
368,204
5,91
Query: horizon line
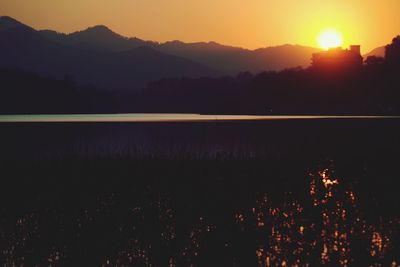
178,40
171,117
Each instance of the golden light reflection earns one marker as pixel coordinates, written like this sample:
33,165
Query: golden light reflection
335,223
327,227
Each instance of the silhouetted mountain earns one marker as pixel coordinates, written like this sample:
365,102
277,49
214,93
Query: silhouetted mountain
98,37
378,52
338,83
368,89
144,64
9,23
23,47
226,59
234,60
28,93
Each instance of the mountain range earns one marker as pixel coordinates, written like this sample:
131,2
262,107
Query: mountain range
226,59
25,48
103,58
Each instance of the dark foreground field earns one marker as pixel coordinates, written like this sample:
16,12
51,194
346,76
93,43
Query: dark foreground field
287,193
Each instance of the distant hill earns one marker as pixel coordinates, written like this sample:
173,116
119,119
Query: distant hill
98,38
28,93
226,59
106,59
379,52
233,59
25,48
9,23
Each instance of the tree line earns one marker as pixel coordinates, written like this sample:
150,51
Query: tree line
371,89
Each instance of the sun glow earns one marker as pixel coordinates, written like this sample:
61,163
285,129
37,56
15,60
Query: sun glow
330,38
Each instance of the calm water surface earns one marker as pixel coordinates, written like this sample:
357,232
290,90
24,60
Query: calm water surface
165,117
199,190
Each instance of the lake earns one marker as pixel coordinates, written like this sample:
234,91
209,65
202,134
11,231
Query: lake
204,190
165,118
195,135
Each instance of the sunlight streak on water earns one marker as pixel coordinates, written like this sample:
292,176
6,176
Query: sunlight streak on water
137,117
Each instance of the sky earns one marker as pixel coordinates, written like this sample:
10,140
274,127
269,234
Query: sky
246,23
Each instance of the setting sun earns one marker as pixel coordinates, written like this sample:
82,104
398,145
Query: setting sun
330,39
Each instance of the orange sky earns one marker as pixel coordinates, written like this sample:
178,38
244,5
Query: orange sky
246,23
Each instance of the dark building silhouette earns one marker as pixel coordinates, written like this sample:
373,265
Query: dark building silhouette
338,59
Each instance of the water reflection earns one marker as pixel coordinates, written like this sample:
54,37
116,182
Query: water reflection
167,117
332,229
327,228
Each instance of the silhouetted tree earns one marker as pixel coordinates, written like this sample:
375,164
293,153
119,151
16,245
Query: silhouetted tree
374,61
347,87
392,51
28,93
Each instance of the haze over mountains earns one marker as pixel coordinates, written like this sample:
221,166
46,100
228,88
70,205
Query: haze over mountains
99,71
106,59
103,58
226,59
378,52
28,49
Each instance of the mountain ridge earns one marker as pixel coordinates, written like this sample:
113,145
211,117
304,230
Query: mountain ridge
378,52
25,48
98,49
224,58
